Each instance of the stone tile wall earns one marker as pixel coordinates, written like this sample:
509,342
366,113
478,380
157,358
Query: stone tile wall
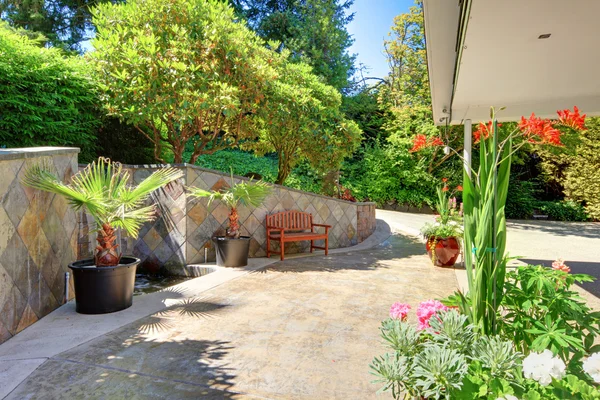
184,226
38,236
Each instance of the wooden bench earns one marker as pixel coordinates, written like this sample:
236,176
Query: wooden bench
294,226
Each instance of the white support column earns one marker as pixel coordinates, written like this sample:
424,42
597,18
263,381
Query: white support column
468,145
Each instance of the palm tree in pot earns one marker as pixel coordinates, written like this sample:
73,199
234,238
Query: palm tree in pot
232,249
105,283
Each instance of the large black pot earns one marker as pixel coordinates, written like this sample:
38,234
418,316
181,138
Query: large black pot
232,252
105,289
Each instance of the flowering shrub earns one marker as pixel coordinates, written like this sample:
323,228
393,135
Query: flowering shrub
399,311
426,310
448,359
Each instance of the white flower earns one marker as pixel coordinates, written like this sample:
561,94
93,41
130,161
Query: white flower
507,397
592,366
542,367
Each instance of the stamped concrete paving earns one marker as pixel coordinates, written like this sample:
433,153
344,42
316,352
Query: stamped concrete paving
306,328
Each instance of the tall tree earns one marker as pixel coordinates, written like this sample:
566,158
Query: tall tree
301,120
313,30
183,72
64,23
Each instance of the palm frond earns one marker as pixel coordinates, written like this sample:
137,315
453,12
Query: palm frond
247,193
38,176
132,220
133,196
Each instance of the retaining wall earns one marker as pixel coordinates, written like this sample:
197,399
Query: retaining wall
184,225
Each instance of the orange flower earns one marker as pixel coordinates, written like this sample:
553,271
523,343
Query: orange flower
445,189
459,188
539,131
436,142
572,119
444,180
419,142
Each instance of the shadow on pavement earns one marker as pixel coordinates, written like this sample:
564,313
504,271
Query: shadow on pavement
397,246
577,267
581,229
145,359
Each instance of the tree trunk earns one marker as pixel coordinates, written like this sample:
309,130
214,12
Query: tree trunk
234,228
106,250
283,170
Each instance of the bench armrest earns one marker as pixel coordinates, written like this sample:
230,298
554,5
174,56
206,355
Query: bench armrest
274,228
327,227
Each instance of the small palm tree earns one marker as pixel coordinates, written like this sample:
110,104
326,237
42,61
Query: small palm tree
246,193
102,189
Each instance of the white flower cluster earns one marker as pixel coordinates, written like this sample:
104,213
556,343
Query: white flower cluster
542,367
592,366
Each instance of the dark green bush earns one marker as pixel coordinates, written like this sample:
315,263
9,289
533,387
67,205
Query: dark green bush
123,143
521,201
46,98
565,210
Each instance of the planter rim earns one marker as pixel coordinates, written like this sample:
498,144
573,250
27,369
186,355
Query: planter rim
226,238
126,262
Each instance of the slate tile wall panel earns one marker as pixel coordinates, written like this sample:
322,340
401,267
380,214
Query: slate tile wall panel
38,239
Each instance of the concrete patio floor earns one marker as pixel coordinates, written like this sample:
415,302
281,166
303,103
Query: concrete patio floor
303,329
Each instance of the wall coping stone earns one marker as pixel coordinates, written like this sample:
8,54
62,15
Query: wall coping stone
33,152
187,165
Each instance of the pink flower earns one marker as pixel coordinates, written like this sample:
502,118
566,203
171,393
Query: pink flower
399,311
560,265
426,310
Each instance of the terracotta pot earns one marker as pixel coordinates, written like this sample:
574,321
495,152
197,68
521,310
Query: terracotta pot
446,251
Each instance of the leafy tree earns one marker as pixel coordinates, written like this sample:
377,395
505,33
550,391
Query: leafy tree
582,177
46,98
313,30
302,120
181,72
63,23
365,109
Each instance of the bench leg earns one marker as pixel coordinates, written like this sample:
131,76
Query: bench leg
312,245
327,246
281,247
268,246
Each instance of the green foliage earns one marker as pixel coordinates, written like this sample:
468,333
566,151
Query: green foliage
382,174
520,201
46,98
245,193
102,189
63,23
301,120
439,363
449,222
566,210
484,198
314,31
181,71
540,311
365,109
582,177
123,143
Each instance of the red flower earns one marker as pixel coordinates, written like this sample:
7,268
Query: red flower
436,142
459,188
444,180
419,142
539,131
572,119
483,130
445,189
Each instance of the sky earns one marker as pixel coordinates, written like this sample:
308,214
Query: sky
371,25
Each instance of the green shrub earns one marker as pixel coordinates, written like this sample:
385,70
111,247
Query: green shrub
382,174
582,177
521,201
123,143
565,210
46,98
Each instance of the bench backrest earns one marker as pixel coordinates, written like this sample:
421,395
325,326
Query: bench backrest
292,220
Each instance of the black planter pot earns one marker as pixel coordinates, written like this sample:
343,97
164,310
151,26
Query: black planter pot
106,289
232,252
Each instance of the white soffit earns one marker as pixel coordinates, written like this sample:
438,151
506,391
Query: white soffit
441,29
504,64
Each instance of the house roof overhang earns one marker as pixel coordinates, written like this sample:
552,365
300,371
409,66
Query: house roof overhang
484,53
